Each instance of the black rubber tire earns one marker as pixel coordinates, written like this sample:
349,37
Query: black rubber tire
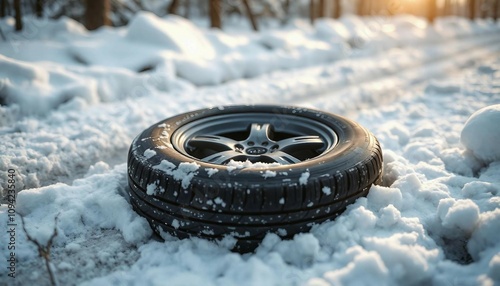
212,202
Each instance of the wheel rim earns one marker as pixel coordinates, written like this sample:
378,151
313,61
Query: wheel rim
256,137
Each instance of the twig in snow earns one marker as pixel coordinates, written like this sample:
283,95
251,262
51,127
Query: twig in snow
44,250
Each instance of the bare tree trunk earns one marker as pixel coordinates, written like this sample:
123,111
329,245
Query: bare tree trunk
250,15
3,8
312,11
286,6
172,8
432,9
383,8
361,7
337,9
481,11
495,10
19,17
472,9
187,7
367,7
215,14
446,8
286,10
39,8
491,8
377,7
322,9
96,14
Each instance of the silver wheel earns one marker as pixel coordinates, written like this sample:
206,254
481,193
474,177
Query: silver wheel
256,137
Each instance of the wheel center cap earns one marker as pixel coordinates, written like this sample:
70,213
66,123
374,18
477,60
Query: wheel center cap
256,150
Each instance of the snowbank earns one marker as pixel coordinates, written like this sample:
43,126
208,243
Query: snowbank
40,88
206,57
37,90
172,33
35,28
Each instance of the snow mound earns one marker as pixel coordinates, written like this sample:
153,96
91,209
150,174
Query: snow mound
485,237
64,26
481,134
453,26
84,204
329,28
119,52
175,33
458,216
38,90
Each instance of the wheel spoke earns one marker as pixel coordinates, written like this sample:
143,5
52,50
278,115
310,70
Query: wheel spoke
282,158
214,142
300,142
259,132
222,157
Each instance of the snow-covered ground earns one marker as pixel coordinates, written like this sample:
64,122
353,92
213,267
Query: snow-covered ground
72,101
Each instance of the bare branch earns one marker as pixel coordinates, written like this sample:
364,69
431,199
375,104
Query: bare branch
43,250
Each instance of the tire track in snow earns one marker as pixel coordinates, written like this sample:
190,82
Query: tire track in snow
62,146
384,78
375,92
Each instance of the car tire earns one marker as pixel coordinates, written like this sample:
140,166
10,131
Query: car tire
245,171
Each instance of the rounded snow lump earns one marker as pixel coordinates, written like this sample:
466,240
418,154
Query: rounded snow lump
481,134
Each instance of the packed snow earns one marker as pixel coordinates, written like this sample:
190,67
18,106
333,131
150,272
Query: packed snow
240,165
184,173
72,101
